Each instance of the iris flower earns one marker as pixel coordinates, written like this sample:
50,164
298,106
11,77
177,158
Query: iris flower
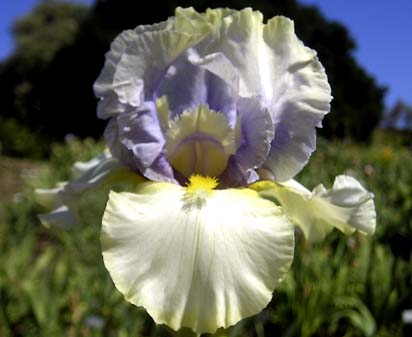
213,114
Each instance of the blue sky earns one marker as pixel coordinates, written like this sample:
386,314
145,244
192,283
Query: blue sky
382,30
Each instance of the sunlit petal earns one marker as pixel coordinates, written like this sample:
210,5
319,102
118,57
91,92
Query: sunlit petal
145,61
348,206
268,60
198,265
109,104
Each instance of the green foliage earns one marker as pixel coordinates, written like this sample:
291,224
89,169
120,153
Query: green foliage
64,155
17,140
53,282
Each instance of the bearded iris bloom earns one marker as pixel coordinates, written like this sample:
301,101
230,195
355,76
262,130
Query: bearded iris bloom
213,115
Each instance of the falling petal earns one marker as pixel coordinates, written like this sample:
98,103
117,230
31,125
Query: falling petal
199,265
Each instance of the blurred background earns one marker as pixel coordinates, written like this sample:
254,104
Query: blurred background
53,283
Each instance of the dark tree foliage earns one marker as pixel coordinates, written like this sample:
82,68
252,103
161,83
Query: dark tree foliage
398,117
47,84
43,94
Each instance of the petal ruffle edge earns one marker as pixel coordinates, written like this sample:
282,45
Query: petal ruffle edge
347,206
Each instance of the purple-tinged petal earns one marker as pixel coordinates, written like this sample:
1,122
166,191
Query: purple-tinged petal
160,170
270,61
104,82
236,175
218,64
140,133
109,104
145,62
187,86
294,142
256,132
117,149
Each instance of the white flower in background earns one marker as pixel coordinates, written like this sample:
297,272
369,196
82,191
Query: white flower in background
218,112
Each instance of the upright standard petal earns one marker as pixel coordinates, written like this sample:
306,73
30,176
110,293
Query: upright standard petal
145,61
271,62
201,265
348,206
301,99
186,86
109,104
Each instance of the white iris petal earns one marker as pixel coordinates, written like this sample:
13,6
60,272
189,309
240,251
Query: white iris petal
198,265
348,206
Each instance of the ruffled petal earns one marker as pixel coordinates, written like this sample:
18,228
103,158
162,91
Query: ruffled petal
301,99
271,62
109,104
201,266
348,206
153,48
145,62
188,20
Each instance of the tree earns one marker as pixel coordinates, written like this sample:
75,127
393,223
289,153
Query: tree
50,27
24,83
399,116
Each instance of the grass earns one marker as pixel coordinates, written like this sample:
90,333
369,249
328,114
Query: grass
53,282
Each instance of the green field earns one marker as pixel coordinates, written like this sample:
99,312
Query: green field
53,282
